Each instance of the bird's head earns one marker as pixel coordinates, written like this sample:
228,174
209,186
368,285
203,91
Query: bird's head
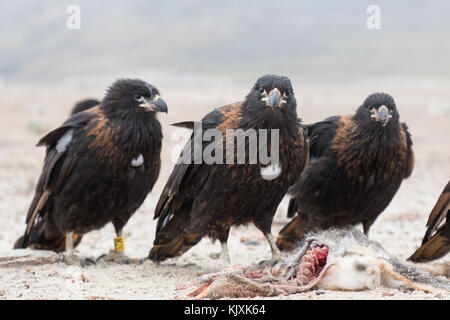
274,93
129,94
379,108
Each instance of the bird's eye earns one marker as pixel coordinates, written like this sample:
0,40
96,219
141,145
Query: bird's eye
261,90
137,97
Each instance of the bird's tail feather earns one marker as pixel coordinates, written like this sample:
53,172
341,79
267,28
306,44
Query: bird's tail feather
169,247
436,247
41,236
292,233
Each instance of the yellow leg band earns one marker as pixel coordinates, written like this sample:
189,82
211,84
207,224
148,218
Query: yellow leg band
119,245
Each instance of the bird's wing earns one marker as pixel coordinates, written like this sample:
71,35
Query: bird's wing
292,209
435,247
306,147
436,242
183,172
410,156
184,124
57,164
321,135
439,212
76,121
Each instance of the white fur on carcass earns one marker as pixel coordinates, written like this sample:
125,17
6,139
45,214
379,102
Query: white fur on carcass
356,263
353,263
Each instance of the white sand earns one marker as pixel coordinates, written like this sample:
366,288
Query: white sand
28,274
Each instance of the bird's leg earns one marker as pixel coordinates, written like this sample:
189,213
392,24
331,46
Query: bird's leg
69,258
366,230
118,254
119,244
276,254
69,243
224,252
367,223
222,236
264,225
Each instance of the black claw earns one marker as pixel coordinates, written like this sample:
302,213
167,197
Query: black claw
264,263
101,257
87,262
191,264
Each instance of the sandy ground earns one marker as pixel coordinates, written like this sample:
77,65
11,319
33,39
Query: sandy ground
28,113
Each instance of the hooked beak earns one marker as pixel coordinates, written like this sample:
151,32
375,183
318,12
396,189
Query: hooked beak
382,115
273,100
156,104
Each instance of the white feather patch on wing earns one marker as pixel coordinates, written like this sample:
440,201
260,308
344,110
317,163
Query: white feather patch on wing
64,141
270,172
137,161
167,219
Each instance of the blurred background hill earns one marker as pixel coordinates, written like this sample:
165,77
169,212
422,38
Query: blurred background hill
176,41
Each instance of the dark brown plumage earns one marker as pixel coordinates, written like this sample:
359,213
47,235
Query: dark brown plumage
357,165
99,167
208,199
436,242
84,105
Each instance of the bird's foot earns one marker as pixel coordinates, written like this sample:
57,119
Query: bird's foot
222,262
73,260
276,254
223,254
276,257
119,258
215,255
269,264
